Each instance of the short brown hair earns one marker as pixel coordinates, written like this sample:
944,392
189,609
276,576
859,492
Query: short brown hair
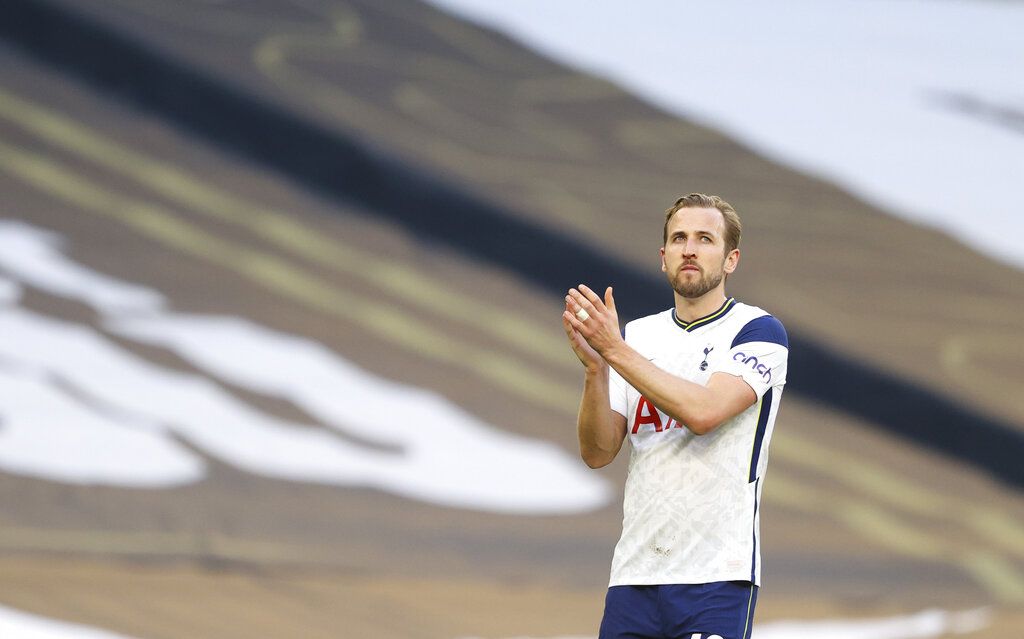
733,227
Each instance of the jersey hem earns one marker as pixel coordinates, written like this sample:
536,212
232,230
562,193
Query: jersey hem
684,579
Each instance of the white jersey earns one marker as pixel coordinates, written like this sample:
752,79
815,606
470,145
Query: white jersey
690,513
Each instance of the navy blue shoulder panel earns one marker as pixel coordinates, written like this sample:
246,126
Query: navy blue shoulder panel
762,329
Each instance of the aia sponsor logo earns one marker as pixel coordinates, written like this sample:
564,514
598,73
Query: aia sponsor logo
758,367
646,413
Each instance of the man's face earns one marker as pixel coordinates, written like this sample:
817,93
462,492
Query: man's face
694,258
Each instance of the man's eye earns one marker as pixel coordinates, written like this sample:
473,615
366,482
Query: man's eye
705,239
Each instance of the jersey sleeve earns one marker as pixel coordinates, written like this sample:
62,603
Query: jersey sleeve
617,392
759,354
617,398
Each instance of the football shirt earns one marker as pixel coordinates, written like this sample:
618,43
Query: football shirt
691,505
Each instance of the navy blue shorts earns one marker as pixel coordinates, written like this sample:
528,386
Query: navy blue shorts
719,610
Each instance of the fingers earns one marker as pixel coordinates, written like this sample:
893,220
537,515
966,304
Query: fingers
571,323
579,300
609,301
585,298
574,301
574,322
591,296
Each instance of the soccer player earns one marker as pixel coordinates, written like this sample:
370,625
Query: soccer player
696,389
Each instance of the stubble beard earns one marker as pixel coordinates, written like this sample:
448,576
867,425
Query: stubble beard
694,289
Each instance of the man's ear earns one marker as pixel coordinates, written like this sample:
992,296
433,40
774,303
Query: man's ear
732,260
661,252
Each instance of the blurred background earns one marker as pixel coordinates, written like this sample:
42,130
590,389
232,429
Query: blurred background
280,288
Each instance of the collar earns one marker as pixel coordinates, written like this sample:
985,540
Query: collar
722,311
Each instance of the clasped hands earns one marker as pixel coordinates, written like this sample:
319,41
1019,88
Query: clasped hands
591,324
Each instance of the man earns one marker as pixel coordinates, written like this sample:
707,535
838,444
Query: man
696,388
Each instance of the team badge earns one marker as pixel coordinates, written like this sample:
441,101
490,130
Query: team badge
704,364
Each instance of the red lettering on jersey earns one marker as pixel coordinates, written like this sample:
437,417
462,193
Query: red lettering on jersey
650,417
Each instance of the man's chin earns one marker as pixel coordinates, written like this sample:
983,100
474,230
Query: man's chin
693,290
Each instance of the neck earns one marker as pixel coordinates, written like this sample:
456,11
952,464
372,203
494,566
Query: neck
689,309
